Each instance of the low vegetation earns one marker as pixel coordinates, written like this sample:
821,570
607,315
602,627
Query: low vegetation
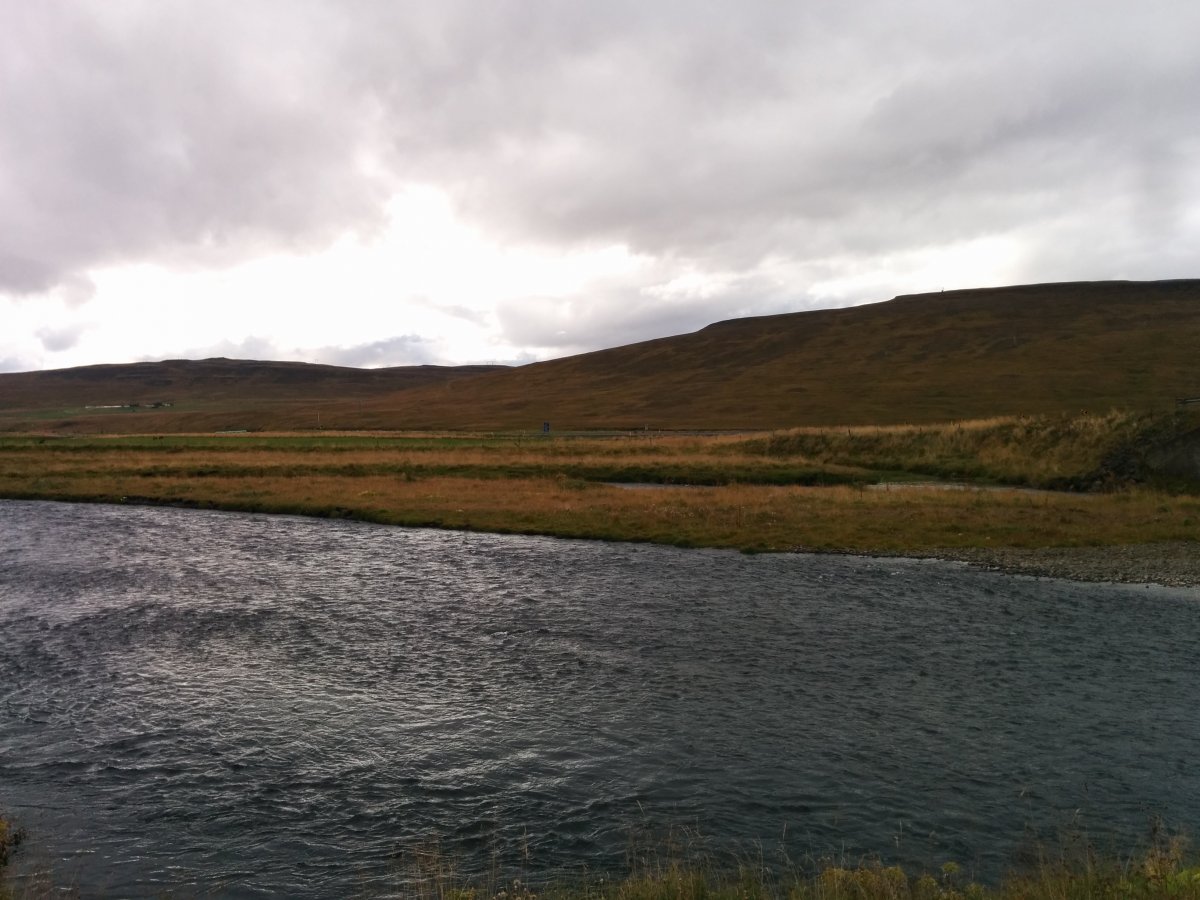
1163,872
1080,452
833,489
10,839
1167,870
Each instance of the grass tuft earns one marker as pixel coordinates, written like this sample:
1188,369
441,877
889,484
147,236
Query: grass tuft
11,837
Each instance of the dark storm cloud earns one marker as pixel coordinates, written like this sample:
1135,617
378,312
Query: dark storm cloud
712,133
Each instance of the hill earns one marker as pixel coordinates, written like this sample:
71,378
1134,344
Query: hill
183,394
918,358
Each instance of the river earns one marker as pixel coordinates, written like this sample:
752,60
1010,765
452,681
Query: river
266,706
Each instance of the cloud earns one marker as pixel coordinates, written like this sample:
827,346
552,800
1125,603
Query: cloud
624,314
458,311
735,142
76,291
15,364
252,347
811,131
144,131
55,340
405,350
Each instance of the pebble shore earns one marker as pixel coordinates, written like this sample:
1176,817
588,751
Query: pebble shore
1174,564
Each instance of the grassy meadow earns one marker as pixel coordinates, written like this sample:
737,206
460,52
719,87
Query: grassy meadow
855,489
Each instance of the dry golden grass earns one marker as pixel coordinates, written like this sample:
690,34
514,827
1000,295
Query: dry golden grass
1045,451
670,458
1041,451
747,517
755,500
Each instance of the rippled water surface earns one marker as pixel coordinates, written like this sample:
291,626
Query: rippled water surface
278,706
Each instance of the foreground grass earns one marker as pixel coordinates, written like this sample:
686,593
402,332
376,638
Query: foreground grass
1161,873
10,839
784,491
1166,870
681,866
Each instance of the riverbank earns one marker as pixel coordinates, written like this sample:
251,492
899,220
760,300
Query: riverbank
1172,564
804,490
1167,871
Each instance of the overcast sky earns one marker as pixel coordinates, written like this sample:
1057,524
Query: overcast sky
388,183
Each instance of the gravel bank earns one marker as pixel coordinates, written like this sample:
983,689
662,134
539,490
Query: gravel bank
1175,564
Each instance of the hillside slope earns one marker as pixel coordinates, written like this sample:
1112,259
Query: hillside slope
919,358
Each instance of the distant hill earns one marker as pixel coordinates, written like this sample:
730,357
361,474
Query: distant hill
181,394
917,358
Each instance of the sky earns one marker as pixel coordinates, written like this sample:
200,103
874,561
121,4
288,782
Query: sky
394,183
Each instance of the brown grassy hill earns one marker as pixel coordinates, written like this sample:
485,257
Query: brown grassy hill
207,394
919,358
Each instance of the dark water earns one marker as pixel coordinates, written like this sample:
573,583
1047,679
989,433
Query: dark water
278,706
